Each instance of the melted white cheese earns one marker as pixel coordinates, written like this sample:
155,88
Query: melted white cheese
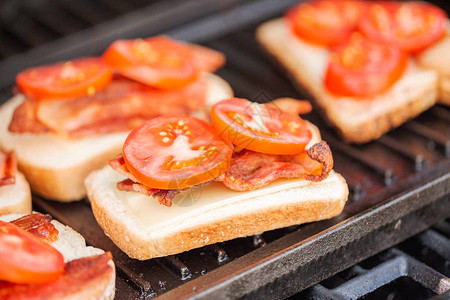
205,198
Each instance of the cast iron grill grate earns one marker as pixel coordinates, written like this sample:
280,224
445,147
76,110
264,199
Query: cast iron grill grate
29,24
399,184
418,268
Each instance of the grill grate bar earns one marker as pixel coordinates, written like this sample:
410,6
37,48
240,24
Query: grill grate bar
356,192
410,264
220,254
253,67
441,113
241,85
88,11
54,17
399,265
10,44
379,276
258,241
177,266
22,34
54,32
118,6
386,175
443,227
429,133
321,292
358,270
437,242
445,296
139,282
400,148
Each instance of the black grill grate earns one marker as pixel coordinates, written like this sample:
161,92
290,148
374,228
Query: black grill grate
400,184
29,24
418,268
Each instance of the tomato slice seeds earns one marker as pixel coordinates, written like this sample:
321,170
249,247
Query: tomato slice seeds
260,127
175,152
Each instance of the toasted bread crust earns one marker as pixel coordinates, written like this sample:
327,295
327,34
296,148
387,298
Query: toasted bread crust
437,57
65,185
444,90
135,240
373,125
16,198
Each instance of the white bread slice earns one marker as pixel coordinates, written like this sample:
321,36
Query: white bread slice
358,120
212,213
15,198
56,167
437,57
73,246
70,243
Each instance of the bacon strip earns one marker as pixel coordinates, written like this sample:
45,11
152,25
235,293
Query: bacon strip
164,197
88,273
39,225
250,170
122,105
118,164
8,168
24,119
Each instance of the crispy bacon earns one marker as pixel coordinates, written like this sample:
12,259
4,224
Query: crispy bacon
250,170
24,119
39,225
122,105
118,164
164,197
80,274
8,168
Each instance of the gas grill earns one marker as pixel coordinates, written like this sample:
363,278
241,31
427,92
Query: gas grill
400,183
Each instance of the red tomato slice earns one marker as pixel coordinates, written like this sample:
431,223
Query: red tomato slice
25,259
412,26
175,151
260,127
324,22
70,79
361,67
157,61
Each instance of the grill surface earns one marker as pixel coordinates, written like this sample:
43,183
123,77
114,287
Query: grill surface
400,184
418,268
